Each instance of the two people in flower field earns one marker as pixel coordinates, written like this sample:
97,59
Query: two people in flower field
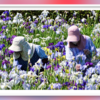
76,44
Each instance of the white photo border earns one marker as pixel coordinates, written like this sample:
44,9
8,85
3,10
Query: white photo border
49,92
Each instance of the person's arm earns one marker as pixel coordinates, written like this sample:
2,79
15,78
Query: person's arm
92,49
41,54
69,53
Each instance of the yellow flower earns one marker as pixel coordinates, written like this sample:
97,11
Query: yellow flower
67,71
63,57
44,48
58,59
51,86
11,61
49,54
56,49
47,49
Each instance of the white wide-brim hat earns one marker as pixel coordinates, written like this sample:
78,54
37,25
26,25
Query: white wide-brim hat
17,44
15,48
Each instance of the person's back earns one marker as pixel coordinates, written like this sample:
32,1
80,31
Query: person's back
23,51
79,44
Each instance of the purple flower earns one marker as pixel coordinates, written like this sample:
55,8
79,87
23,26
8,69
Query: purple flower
1,57
27,27
31,31
2,16
10,52
8,39
32,69
64,53
59,24
7,19
84,83
6,12
10,79
51,44
1,46
41,80
80,88
67,83
26,23
75,88
4,27
55,68
49,66
36,21
5,62
6,52
63,70
1,32
89,63
61,46
46,26
52,56
55,28
13,36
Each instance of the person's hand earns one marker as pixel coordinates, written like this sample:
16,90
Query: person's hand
86,51
77,67
45,61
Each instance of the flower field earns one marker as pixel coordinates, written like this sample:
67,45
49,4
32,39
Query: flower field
51,34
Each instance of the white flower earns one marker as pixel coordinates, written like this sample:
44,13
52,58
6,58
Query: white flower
4,66
13,74
65,25
23,76
22,72
43,43
42,85
42,30
15,21
94,13
58,17
34,17
94,76
48,38
72,20
51,27
36,40
26,86
45,13
41,17
83,20
74,13
33,25
15,18
4,86
59,31
1,21
93,80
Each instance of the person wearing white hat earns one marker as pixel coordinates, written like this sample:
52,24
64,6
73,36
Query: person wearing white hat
78,43
21,49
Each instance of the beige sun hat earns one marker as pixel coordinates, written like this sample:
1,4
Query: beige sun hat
73,34
17,44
